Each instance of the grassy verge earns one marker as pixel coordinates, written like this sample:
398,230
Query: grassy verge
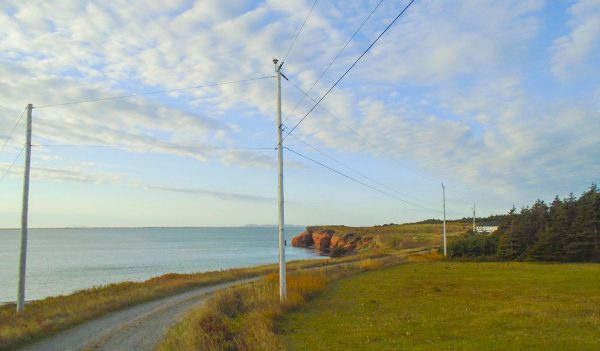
414,236
399,238
456,306
244,317
48,316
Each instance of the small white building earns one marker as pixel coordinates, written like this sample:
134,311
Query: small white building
486,228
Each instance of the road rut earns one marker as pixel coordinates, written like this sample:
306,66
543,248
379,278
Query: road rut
136,328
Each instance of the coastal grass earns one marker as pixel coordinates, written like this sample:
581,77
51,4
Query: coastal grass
402,238
245,317
413,236
45,317
453,306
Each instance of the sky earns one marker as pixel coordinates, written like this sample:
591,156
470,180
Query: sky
499,100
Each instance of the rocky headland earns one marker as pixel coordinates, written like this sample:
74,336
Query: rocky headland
333,241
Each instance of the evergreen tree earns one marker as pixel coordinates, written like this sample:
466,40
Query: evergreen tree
551,241
567,230
508,246
584,239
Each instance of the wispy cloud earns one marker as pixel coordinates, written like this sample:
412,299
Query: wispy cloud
478,92
576,53
215,194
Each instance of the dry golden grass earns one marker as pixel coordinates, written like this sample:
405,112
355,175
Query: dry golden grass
244,318
370,264
48,316
428,257
414,236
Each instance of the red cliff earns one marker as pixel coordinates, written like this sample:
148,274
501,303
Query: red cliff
331,241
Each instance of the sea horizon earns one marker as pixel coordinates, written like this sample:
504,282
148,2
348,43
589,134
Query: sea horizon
63,260
156,226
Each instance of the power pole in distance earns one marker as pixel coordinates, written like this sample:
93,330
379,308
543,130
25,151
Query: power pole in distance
474,207
444,207
24,215
282,278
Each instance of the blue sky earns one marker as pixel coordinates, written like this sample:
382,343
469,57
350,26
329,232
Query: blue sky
500,100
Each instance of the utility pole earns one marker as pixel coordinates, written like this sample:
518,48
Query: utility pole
444,225
474,207
24,214
282,275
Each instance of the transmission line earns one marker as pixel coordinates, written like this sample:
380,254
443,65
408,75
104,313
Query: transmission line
155,92
349,69
359,182
13,129
11,165
298,33
369,143
108,146
347,167
364,139
332,61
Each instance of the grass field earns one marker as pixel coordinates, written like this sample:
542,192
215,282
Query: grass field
411,236
454,306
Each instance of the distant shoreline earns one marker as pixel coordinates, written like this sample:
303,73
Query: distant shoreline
163,227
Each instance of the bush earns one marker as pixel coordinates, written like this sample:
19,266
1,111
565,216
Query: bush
470,245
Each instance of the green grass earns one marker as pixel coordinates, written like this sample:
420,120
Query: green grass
243,318
454,306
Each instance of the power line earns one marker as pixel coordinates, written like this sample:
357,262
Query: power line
369,143
364,139
332,61
298,33
13,129
11,165
349,68
154,92
347,167
359,182
151,147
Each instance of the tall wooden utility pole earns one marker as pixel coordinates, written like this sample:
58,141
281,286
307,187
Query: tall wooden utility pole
282,278
444,207
24,215
474,207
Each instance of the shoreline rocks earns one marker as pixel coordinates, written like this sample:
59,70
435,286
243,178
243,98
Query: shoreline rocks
329,241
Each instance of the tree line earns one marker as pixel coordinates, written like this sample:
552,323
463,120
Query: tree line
492,218
566,230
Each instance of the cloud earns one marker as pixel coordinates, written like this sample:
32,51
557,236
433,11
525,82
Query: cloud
75,174
93,173
517,148
444,40
575,54
216,194
443,91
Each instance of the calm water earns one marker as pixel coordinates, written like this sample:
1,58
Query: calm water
60,261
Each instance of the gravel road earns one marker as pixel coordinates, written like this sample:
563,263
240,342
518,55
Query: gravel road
137,328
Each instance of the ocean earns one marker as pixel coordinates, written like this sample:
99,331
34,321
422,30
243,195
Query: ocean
60,261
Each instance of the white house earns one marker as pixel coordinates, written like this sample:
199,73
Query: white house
486,228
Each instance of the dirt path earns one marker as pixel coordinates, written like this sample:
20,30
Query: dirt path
137,328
